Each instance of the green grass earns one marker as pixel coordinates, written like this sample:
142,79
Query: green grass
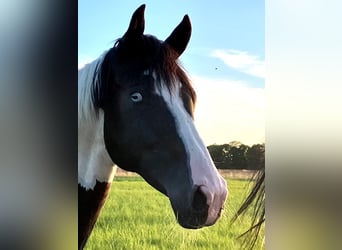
138,217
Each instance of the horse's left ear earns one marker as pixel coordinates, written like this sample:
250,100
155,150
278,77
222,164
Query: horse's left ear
137,24
180,36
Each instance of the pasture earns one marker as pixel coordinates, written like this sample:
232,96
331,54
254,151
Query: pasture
136,216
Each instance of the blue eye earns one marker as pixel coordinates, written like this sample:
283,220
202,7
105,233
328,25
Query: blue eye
136,97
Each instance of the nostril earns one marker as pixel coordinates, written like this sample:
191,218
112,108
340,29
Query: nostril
199,200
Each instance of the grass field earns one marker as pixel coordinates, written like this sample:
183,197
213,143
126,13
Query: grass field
138,217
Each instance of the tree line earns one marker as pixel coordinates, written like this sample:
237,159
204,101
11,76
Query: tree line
236,155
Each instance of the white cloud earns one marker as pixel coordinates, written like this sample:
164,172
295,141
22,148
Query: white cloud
242,61
229,110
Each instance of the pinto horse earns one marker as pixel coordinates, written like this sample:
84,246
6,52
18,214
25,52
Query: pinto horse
135,111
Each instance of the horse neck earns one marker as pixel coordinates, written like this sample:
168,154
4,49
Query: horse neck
94,163
95,171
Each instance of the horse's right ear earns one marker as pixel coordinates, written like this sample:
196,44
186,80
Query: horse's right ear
137,25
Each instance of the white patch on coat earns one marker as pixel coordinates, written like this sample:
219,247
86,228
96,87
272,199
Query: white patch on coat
87,79
94,163
203,171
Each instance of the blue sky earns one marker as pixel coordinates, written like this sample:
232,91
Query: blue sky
225,56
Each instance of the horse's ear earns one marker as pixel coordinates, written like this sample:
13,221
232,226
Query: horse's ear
180,36
137,25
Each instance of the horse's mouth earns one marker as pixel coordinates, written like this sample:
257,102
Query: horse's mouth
197,220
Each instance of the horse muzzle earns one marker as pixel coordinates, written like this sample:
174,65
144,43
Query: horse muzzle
204,208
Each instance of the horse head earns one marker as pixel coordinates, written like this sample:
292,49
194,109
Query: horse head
148,105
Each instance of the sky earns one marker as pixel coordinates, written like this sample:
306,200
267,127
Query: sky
225,58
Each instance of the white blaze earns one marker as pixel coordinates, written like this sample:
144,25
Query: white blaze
203,170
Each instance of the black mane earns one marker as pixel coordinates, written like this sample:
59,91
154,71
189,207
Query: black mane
147,53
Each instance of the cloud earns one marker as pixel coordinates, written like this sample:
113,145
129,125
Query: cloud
228,110
241,61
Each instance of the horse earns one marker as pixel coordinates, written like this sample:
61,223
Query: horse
136,111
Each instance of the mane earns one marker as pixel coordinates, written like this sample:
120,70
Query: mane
88,78
148,53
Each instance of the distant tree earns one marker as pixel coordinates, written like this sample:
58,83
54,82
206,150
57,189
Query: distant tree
217,154
256,157
227,164
236,155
